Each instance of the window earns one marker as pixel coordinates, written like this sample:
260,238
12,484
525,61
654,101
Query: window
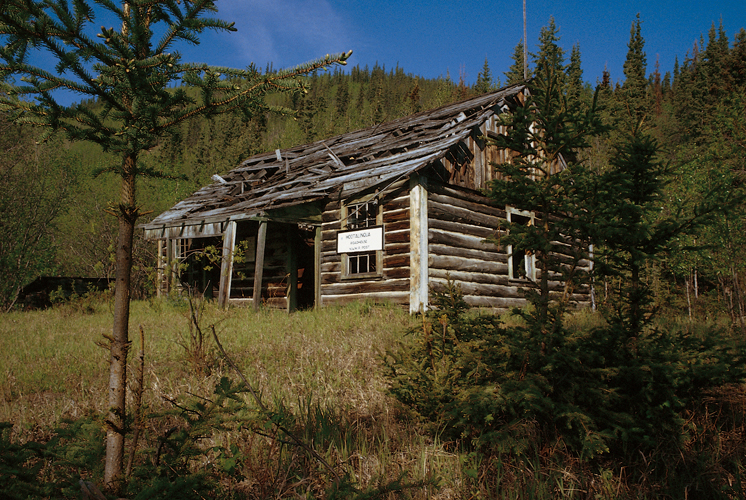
356,216
521,265
362,215
182,247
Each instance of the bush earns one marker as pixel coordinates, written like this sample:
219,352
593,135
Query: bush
594,390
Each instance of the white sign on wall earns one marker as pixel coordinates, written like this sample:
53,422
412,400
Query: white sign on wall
360,240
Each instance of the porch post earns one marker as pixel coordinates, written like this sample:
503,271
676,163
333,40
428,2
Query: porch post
292,290
160,269
226,266
418,245
261,241
317,269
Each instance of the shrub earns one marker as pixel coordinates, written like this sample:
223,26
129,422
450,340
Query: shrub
594,390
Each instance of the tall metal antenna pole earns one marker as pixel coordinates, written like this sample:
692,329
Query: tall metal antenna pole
525,44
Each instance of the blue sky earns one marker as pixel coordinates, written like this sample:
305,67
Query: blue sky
438,37
431,38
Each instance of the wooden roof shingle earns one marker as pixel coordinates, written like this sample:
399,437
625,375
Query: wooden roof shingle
348,163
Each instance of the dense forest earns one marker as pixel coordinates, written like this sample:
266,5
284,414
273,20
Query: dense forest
695,111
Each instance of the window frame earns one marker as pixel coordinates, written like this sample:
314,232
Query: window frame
377,255
530,262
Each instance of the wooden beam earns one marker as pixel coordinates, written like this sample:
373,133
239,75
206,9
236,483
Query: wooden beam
261,241
418,241
160,289
226,266
292,292
317,268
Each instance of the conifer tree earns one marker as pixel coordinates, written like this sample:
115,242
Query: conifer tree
551,57
574,74
635,83
547,177
129,71
515,72
484,82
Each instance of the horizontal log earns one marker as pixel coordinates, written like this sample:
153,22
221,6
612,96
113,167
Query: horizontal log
465,199
365,287
495,279
330,256
450,263
493,255
330,278
440,237
447,212
396,248
397,237
483,290
334,225
461,227
331,216
398,203
332,205
402,225
390,216
383,297
329,235
500,303
396,273
331,267
397,260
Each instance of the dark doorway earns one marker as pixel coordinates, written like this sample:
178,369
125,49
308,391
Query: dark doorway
200,265
306,269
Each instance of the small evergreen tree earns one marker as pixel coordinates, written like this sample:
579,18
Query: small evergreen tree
129,72
551,57
635,83
574,74
484,80
515,72
546,176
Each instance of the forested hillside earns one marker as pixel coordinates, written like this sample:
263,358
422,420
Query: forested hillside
55,196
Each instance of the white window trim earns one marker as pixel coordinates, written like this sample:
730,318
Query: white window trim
530,261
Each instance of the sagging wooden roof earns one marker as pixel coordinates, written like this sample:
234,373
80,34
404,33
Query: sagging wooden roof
338,167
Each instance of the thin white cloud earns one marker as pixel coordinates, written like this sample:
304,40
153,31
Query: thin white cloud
286,32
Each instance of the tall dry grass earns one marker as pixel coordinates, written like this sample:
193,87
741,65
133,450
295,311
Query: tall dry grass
54,362
323,366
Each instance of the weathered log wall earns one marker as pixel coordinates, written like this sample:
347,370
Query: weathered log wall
393,283
459,222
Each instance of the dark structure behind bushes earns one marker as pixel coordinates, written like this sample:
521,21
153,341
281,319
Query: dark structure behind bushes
39,293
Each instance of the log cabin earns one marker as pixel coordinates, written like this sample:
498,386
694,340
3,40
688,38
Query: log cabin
385,213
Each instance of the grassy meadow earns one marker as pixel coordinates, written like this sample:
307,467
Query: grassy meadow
322,365
319,373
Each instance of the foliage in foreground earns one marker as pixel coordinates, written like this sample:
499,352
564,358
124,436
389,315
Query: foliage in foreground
595,391
318,372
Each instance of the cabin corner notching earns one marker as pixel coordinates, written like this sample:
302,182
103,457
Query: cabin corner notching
386,213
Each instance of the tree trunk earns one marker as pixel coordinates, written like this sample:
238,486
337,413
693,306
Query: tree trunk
688,298
115,421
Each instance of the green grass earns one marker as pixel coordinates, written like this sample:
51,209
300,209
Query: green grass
54,365
324,367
